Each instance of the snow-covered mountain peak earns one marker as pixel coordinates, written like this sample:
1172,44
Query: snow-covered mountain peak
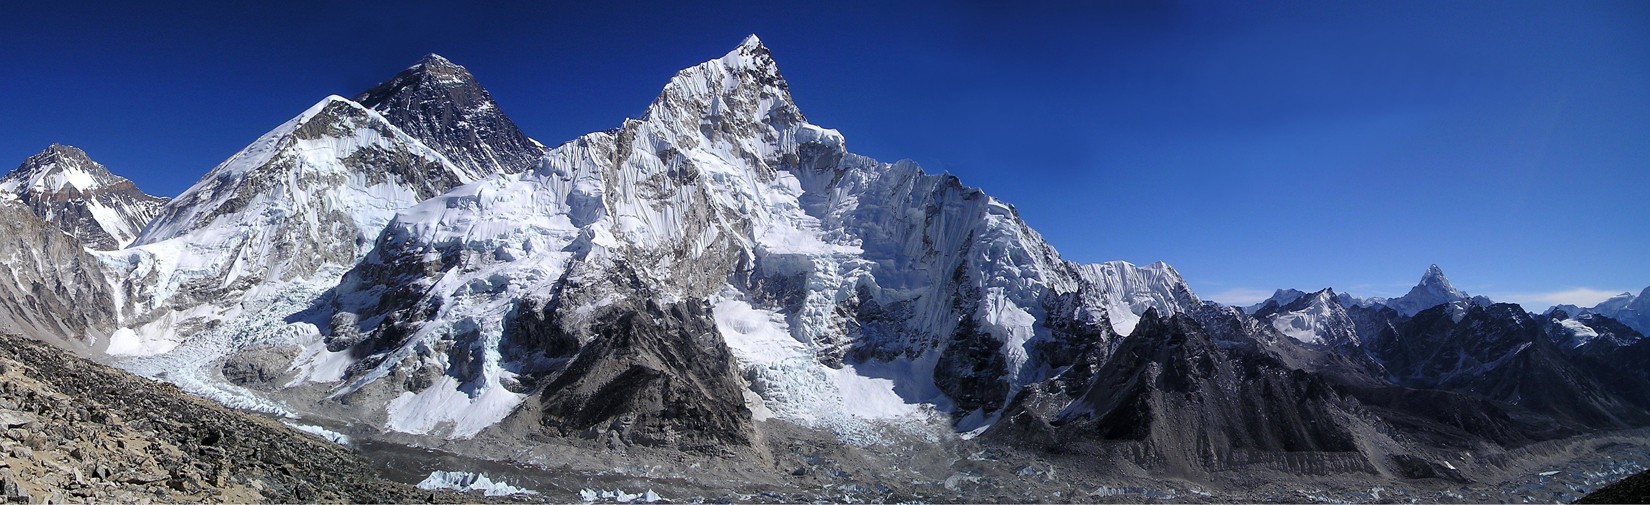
334,143
1633,311
750,53
1315,318
63,186
440,103
1434,280
744,83
58,169
1433,290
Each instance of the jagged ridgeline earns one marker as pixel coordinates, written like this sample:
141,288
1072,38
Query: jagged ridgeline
721,276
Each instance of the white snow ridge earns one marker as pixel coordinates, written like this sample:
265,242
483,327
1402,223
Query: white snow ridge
468,482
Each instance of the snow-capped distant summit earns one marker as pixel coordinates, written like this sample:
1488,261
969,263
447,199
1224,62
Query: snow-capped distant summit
66,188
441,104
1631,310
1433,290
1316,318
57,169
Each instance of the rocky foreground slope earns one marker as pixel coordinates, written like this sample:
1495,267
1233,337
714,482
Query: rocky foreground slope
75,430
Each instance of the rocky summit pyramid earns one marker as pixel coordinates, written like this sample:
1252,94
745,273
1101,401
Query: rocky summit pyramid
441,104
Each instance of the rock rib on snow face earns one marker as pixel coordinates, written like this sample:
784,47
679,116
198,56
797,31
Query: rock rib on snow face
441,104
80,196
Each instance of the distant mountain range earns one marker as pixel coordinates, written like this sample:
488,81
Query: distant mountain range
722,279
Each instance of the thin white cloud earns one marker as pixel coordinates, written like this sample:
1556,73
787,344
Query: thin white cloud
1239,297
1581,297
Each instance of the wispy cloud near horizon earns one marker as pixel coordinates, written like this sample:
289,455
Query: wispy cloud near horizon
1239,297
1579,296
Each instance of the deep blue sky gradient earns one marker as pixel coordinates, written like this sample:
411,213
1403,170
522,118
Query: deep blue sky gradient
1253,145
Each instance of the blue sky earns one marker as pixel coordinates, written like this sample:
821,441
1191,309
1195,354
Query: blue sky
1253,145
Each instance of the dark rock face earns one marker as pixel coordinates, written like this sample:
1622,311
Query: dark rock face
1618,363
970,371
66,188
1185,404
654,376
1634,489
441,104
1370,321
49,285
1500,353
1170,381
81,431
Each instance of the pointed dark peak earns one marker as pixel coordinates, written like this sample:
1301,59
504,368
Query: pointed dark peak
752,50
1279,298
442,105
1325,296
432,72
64,151
55,154
436,61
442,70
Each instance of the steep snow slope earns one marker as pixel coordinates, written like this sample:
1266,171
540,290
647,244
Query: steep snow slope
1127,291
80,196
306,198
